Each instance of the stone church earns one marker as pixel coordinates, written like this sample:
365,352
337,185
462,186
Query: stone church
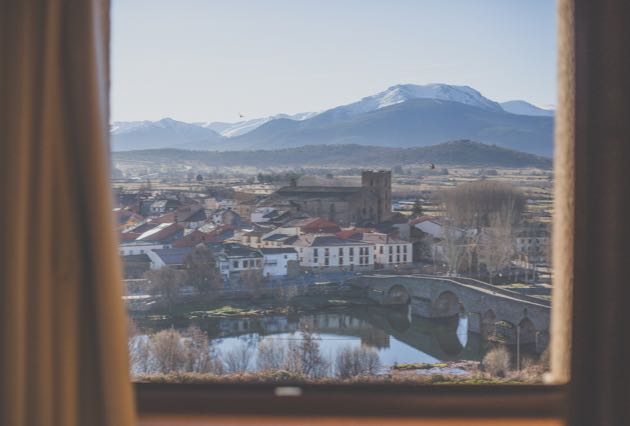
368,204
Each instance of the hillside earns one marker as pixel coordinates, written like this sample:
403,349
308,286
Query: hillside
460,152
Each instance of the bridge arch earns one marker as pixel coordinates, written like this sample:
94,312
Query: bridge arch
447,304
505,332
398,295
488,324
527,331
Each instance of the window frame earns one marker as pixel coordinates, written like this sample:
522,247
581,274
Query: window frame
542,401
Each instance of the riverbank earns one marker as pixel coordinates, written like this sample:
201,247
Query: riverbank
287,378
194,309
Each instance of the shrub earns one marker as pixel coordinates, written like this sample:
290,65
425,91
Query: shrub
237,359
352,362
167,350
497,362
271,355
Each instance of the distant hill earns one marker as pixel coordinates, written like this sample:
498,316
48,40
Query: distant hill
460,152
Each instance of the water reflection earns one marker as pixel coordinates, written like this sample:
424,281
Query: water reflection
398,336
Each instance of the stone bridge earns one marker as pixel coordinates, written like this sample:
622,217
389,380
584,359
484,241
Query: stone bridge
491,311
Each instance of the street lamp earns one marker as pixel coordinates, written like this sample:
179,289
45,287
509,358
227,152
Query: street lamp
518,347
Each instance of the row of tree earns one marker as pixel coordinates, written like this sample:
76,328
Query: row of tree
481,222
169,351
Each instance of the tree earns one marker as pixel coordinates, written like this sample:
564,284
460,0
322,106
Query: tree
499,245
454,247
271,355
200,356
471,204
202,272
361,361
166,283
417,208
168,351
305,357
238,358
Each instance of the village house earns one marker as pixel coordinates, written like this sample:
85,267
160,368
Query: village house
163,233
226,217
234,258
330,252
190,216
168,257
279,262
388,251
135,247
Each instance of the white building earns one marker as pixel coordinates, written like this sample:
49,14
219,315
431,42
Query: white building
331,252
139,247
388,251
236,258
276,261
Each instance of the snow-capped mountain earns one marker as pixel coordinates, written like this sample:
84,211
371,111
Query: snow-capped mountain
525,108
239,128
122,127
406,92
164,133
404,115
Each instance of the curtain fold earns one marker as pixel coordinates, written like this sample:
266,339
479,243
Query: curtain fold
600,377
62,322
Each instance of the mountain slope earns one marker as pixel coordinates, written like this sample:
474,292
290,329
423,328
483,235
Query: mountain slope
418,122
241,127
165,133
407,92
462,152
525,108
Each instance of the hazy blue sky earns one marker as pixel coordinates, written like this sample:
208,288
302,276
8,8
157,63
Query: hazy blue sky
208,60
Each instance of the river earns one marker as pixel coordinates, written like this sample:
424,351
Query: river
397,336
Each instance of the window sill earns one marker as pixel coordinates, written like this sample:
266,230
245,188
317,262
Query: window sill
162,404
188,420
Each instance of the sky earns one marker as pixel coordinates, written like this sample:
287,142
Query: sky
211,60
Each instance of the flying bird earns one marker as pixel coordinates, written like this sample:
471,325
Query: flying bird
432,165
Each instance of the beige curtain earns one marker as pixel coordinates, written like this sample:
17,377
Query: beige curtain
62,323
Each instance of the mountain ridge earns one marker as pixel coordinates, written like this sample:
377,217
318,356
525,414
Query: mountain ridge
459,152
403,115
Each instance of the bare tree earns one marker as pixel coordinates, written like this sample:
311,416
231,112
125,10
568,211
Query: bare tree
238,358
306,357
352,362
454,247
271,355
166,283
202,272
168,351
472,204
500,243
200,355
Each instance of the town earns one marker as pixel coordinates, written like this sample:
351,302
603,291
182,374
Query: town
281,253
